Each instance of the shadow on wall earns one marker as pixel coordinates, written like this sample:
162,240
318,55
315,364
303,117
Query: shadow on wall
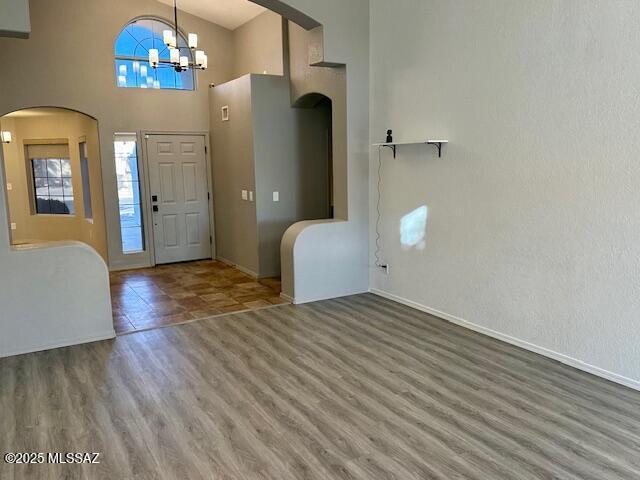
53,176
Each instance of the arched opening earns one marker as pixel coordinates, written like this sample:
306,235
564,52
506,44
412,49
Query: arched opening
53,177
318,109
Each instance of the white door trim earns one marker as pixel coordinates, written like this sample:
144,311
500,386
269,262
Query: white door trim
146,204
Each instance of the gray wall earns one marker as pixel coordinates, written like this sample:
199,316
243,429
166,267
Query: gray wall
532,232
74,46
291,156
330,258
14,18
234,171
266,146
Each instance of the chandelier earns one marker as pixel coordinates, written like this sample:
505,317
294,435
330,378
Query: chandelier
178,62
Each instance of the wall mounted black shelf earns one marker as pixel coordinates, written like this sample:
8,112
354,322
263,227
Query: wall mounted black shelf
393,146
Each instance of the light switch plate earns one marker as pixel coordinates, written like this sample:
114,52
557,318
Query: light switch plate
14,226
9,187
225,113
245,195
276,196
251,195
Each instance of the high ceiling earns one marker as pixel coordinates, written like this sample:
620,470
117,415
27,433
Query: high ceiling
227,13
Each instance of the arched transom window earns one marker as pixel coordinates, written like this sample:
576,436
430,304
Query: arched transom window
132,57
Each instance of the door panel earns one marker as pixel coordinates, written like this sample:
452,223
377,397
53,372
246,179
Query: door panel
170,230
167,183
189,179
178,176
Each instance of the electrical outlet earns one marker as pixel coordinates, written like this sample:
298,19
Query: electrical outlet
276,196
245,195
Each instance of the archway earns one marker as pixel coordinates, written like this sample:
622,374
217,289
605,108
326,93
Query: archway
53,177
319,109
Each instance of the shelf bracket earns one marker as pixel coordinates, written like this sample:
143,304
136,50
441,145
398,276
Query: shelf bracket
438,145
392,147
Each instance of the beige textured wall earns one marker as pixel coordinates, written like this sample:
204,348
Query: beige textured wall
258,46
74,46
71,128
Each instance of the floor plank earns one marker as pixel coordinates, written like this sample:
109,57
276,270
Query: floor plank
353,388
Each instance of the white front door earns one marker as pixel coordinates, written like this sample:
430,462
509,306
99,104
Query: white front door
179,197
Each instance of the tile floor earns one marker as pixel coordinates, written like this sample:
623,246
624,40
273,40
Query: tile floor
172,294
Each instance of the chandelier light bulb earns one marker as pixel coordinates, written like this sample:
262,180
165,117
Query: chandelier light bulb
199,57
154,57
204,62
193,40
6,137
174,55
184,62
167,37
174,41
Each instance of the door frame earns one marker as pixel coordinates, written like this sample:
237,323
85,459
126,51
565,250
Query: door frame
146,205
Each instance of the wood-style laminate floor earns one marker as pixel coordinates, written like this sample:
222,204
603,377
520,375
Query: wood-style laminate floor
172,294
354,388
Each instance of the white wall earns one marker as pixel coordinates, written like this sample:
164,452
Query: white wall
52,295
532,226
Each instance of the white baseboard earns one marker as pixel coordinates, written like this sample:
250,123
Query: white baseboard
560,357
301,301
59,344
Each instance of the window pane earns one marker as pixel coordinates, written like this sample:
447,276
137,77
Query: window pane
65,164
132,239
70,207
126,160
39,167
42,205
42,187
53,167
67,186
55,187
131,58
58,206
130,216
53,191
